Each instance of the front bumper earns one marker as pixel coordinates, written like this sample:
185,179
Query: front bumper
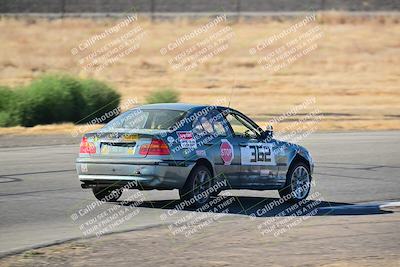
146,174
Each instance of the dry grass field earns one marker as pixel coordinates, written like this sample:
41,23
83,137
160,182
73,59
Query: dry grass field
353,73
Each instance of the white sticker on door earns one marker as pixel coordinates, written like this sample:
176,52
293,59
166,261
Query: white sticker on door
186,139
257,154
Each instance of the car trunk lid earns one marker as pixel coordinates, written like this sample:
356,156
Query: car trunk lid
119,143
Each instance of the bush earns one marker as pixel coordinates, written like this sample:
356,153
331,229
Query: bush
6,97
8,100
6,119
99,98
54,99
163,96
51,99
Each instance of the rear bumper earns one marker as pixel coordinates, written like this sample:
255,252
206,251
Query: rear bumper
140,174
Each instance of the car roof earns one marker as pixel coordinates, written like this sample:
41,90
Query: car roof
184,107
172,106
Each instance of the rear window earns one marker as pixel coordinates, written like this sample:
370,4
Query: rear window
154,119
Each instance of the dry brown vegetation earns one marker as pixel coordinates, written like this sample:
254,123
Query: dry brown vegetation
354,73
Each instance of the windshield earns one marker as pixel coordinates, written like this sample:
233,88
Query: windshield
153,119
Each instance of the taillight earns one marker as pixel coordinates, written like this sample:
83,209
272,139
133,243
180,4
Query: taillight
87,147
156,147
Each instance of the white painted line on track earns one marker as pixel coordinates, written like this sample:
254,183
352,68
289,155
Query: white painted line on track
390,206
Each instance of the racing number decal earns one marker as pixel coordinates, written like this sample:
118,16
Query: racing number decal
257,154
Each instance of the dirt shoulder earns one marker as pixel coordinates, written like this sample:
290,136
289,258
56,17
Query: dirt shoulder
235,241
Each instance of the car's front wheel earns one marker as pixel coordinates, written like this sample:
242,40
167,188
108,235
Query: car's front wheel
298,183
107,194
195,192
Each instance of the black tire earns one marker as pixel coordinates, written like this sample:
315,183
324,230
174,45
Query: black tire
106,194
194,190
303,188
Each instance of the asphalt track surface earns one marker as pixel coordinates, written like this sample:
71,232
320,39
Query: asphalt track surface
40,191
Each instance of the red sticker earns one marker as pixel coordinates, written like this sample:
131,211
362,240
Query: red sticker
226,152
185,135
186,139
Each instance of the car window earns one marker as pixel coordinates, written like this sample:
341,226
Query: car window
240,126
211,124
207,125
220,129
202,126
197,128
219,123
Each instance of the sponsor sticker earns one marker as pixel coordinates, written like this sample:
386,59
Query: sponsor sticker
130,137
186,152
186,139
201,153
227,154
84,167
131,150
104,149
264,172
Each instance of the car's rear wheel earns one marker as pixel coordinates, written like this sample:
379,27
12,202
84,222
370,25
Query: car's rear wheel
107,194
298,183
195,191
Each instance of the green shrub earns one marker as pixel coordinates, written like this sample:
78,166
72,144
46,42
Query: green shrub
54,99
8,105
6,98
6,119
99,98
163,96
51,99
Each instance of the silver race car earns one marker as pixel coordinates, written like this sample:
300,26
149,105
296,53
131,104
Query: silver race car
200,150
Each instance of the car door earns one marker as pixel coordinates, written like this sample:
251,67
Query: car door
220,144
261,156
257,156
